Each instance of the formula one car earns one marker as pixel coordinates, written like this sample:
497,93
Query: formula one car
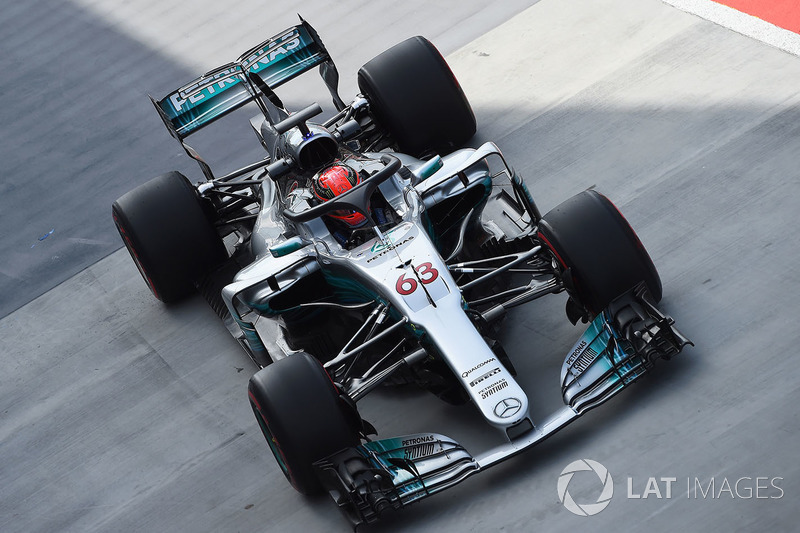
372,248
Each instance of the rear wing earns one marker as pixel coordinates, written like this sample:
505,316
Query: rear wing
229,87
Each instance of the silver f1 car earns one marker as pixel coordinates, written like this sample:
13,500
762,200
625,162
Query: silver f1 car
372,248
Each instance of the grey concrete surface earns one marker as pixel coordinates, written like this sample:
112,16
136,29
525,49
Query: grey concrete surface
119,414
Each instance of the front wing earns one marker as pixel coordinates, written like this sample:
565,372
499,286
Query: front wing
618,347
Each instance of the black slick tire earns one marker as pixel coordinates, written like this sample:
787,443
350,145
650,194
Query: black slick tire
169,235
598,251
301,416
415,96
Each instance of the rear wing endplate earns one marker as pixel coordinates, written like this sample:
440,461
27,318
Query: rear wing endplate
226,88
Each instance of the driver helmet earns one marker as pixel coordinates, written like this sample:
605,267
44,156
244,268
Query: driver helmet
334,181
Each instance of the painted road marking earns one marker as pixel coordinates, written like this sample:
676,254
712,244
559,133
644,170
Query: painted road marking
783,17
782,13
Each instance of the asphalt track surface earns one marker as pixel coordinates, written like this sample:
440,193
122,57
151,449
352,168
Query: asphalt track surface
120,414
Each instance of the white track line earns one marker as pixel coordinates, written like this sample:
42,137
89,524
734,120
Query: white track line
742,23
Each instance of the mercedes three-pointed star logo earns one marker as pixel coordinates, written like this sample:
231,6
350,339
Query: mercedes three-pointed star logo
507,408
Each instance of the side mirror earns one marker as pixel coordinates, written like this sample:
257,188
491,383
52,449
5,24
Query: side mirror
288,246
428,169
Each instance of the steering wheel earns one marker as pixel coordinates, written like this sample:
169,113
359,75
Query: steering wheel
356,199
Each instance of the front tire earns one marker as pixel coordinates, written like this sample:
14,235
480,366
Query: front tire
415,96
302,417
600,255
169,236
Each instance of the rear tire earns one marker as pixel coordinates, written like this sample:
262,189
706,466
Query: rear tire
302,417
169,236
598,250
415,96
